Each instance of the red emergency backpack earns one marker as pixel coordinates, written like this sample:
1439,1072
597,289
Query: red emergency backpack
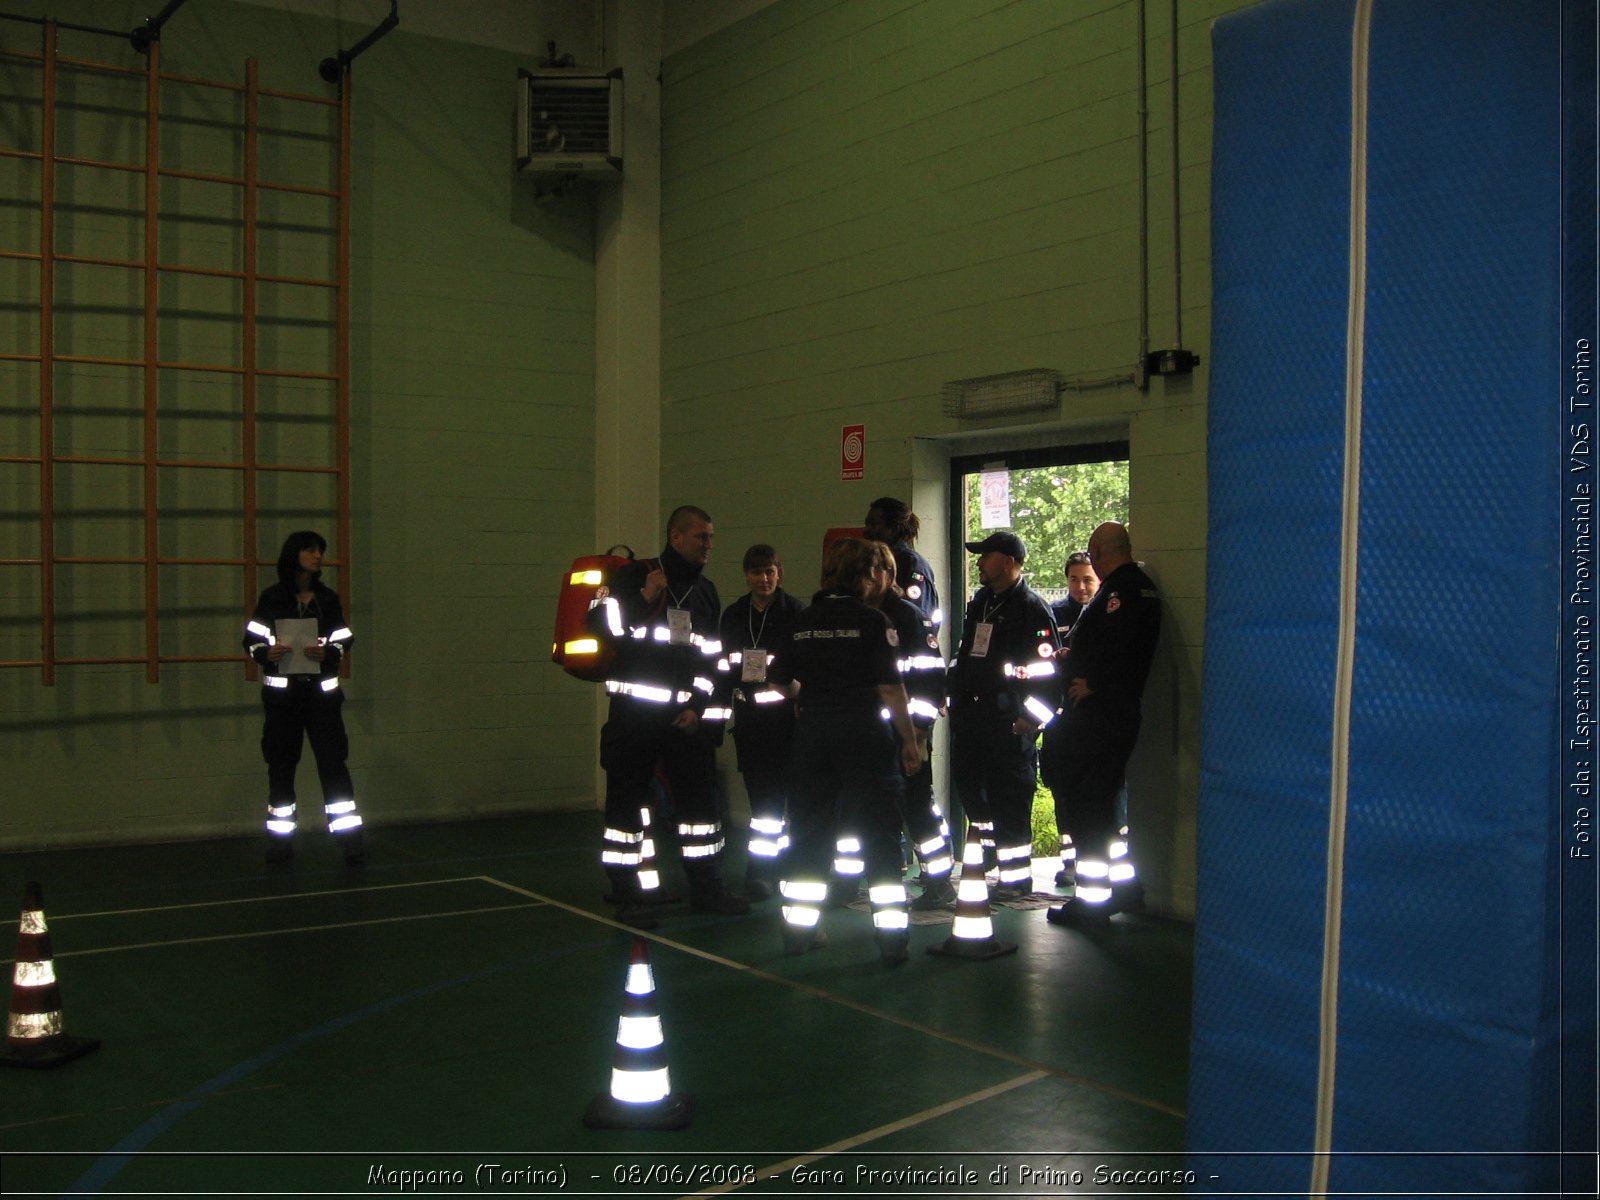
574,647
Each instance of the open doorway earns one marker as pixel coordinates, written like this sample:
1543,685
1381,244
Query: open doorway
1052,499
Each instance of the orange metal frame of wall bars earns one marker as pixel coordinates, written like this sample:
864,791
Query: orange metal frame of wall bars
150,365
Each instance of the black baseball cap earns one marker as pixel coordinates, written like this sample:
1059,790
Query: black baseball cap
1006,543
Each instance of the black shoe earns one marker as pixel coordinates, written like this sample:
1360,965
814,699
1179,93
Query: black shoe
757,888
797,940
894,950
1067,877
280,847
1076,914
936,893
721,902
353,846
1002,892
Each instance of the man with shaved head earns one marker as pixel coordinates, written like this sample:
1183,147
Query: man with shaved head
1086,749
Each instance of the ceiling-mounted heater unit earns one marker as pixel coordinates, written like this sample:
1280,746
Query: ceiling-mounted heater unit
569,122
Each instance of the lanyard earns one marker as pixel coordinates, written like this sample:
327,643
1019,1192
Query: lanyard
750,624
990,609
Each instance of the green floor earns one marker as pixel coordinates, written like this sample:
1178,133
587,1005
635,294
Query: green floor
453,1004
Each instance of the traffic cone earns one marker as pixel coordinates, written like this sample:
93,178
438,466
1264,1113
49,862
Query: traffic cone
36,1031
972,935
641,1095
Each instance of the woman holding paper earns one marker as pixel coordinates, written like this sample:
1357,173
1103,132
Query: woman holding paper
298,637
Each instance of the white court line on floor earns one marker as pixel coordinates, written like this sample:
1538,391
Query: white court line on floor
244,935
871,1135
845,1002
376,887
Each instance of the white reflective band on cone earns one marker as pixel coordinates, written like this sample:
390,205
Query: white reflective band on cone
1121,872
640,981
1093,895
26,1026
1093,868
275,681
891,919
640,1033
972,927
33,921
33,974
639,1087
887,893
802,916
280,827
803,891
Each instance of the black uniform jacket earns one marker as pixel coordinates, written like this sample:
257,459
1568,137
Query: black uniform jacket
646,657
921,662
1065,612
760,711
841,652
1019,664
260,632
1114,640
915,577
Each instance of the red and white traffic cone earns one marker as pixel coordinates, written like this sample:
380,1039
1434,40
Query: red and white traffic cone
36,1030
641,1094
972,935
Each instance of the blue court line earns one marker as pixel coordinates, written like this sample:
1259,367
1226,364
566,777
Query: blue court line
106,1168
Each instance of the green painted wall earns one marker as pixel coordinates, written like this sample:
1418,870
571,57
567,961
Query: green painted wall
473,375
865,199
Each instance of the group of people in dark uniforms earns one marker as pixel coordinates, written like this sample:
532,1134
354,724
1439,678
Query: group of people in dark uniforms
833,706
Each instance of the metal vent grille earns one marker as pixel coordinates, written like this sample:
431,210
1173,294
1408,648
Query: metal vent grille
569,122
569,116
1003,395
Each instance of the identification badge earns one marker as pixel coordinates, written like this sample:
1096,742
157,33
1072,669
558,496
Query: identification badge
680,627
753,668
981,633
